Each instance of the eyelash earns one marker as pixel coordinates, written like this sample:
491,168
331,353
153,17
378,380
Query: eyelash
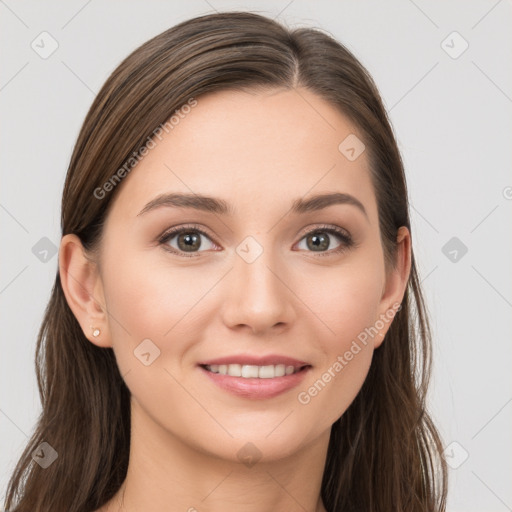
344,237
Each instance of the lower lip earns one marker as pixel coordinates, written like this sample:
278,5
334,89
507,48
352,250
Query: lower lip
257,388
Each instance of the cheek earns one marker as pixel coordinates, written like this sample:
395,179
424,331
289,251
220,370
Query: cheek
347,354
156,302
345,299
348,305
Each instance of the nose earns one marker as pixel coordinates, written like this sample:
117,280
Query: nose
257,297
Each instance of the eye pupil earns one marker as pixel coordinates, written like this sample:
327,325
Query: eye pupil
191,241
319,241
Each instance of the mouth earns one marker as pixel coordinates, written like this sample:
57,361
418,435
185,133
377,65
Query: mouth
249,371
255,381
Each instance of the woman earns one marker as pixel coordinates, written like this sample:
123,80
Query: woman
237,321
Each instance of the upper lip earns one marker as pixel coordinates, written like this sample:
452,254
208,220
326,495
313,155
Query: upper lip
246,359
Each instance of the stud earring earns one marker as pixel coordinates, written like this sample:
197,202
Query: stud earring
96,332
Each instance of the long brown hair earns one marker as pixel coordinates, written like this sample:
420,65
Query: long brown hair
384,452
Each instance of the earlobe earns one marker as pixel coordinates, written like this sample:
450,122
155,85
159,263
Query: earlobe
83,290
396,284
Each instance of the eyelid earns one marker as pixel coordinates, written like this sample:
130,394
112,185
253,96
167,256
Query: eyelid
325,227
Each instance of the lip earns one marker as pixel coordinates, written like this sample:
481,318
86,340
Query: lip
270,359
255,388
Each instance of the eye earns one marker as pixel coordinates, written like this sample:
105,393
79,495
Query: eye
188,240
318,240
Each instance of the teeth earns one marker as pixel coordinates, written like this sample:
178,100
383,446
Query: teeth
250,371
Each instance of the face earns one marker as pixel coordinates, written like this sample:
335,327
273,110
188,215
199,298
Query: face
266,283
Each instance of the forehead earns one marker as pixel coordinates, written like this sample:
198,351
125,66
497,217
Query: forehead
253,149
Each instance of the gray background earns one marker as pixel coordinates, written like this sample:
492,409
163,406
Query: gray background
452,118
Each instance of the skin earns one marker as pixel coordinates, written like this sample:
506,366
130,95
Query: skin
258,152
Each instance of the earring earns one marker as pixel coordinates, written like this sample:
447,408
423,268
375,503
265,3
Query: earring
95,332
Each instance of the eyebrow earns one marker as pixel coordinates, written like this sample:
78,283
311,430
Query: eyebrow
221,207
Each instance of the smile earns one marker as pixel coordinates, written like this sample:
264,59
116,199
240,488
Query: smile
251,371
255,382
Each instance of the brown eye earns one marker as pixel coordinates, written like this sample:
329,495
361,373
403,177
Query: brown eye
186,240
319,240
189,241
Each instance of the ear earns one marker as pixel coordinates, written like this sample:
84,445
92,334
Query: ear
83,289
395,285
